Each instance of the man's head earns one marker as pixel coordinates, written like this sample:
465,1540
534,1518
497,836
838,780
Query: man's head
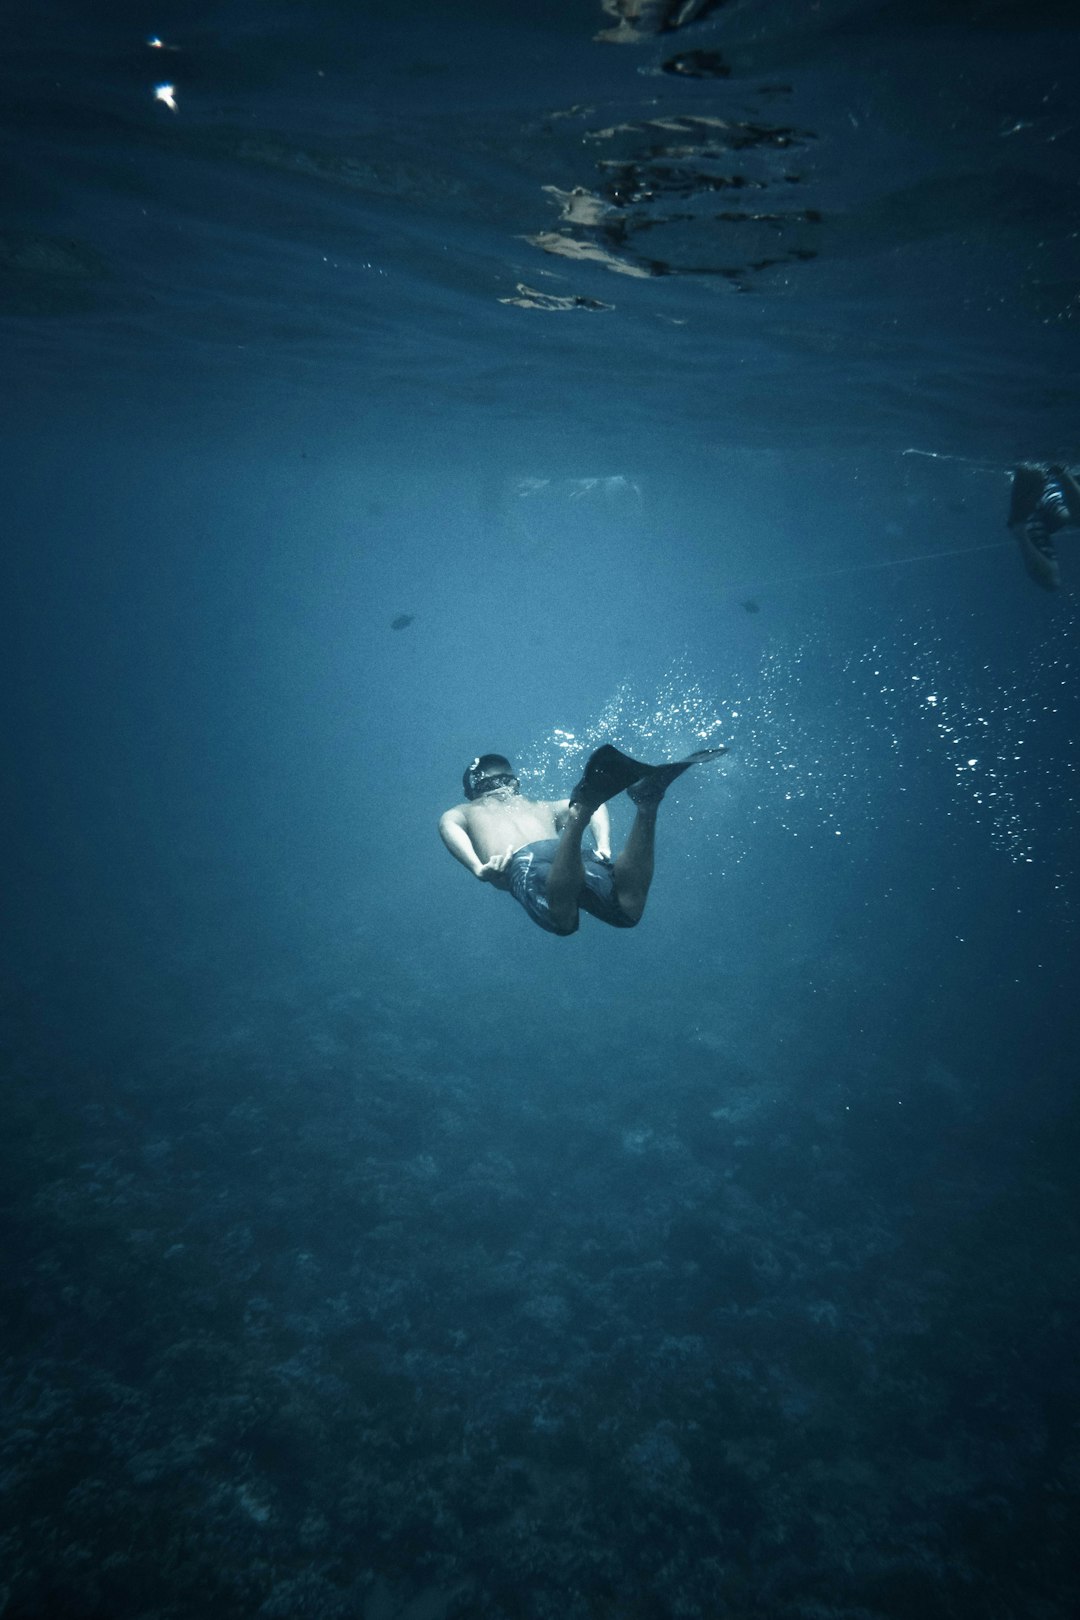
488,773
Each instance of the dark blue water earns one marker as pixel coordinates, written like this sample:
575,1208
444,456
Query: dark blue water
435,381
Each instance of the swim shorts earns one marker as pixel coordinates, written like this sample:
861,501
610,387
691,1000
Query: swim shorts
528,874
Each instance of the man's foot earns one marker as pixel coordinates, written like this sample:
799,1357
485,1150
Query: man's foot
607,772
648,792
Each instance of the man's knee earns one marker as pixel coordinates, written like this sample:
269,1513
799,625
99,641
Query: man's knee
631,904
563,921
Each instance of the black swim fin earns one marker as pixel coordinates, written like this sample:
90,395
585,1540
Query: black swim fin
651,789
607,772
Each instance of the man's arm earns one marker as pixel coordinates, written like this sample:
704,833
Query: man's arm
601,831
456,838
455,835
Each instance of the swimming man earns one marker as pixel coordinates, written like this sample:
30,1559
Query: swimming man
1044,500
533,847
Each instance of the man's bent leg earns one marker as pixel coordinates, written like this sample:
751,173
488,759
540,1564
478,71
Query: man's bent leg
633,869
567,875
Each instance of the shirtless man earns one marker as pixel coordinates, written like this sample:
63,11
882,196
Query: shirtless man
533,847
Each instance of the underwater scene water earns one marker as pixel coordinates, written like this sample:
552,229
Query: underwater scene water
389,385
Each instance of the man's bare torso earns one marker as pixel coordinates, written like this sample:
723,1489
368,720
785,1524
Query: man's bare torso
501,820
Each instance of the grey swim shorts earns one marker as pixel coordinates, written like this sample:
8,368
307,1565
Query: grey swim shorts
528,875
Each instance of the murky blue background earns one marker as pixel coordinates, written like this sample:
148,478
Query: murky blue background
368,1252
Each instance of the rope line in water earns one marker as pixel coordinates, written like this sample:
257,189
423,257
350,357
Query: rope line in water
965,461
860,568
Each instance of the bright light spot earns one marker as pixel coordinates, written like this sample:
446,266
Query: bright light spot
156,44
973,762
167,94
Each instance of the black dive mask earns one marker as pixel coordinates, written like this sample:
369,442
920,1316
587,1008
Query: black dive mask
487,774
490,783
